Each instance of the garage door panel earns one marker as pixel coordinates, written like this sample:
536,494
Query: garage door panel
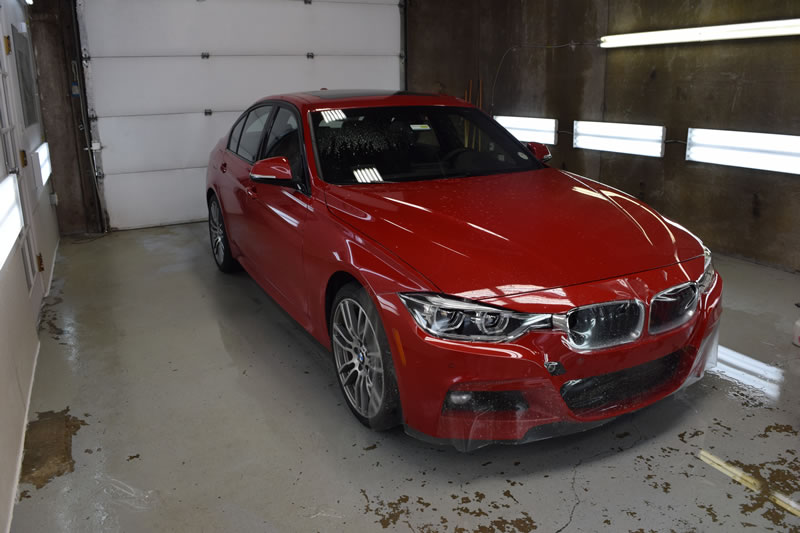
160,141
148,85
135,86
155,198
240,27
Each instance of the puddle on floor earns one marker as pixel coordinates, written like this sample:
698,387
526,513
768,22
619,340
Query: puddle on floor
48,447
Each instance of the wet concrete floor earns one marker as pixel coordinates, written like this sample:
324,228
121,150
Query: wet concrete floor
208,409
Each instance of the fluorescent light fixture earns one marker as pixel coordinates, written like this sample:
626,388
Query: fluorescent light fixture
333,115
10,216
750,30
529,129
367,175
618,137
763,151
45,167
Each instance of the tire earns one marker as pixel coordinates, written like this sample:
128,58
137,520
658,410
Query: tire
220,248
363,360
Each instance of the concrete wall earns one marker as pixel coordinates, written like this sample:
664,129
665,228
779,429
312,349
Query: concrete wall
743,85
56,47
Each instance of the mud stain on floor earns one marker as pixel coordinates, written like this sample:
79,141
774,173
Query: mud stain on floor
48,447
390,514
784,429
781,476
49,318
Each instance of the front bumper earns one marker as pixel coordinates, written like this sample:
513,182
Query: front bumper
506,394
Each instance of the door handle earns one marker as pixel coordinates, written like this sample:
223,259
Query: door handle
223,168
251,192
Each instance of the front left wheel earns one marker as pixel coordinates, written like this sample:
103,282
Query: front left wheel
220,247
363,360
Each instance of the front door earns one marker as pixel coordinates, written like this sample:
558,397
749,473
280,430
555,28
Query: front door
281,210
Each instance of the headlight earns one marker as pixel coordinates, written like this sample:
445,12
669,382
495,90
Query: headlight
704,283
464,320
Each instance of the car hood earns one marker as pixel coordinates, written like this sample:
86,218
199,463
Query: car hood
488,236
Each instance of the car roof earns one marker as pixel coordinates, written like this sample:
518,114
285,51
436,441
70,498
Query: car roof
342,99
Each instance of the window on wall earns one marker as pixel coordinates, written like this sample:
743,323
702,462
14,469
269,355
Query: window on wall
10,216
27,82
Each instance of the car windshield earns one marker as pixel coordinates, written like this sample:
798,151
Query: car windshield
380,144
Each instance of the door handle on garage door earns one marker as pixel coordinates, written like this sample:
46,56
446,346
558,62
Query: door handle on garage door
250,192
223,168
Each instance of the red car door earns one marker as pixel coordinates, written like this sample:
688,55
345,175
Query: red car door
242,152
278,215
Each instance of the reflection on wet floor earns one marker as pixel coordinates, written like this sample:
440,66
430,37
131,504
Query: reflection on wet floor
750,372
214,411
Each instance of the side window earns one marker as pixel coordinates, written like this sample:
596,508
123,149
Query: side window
284,140
251,133
233,142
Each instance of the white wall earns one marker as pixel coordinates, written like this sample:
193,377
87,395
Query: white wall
19,308
19,347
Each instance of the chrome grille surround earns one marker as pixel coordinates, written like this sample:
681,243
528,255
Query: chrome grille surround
673,307
603,325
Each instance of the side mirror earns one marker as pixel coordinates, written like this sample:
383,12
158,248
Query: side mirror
271,170
540,151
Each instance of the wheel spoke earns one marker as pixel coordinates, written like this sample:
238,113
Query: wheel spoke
348,375
374,396
347,315
345,340
364,393
338,341
357,393
362,323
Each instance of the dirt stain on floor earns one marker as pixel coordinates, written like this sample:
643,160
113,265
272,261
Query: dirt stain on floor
49,318
48,447
780,476
784,429
390,514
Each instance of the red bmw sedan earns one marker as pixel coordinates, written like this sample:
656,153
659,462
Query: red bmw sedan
466,290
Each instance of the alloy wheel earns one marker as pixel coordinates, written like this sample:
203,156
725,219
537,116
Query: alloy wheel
357,353
217,232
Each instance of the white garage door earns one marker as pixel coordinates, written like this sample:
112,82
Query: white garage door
156,66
